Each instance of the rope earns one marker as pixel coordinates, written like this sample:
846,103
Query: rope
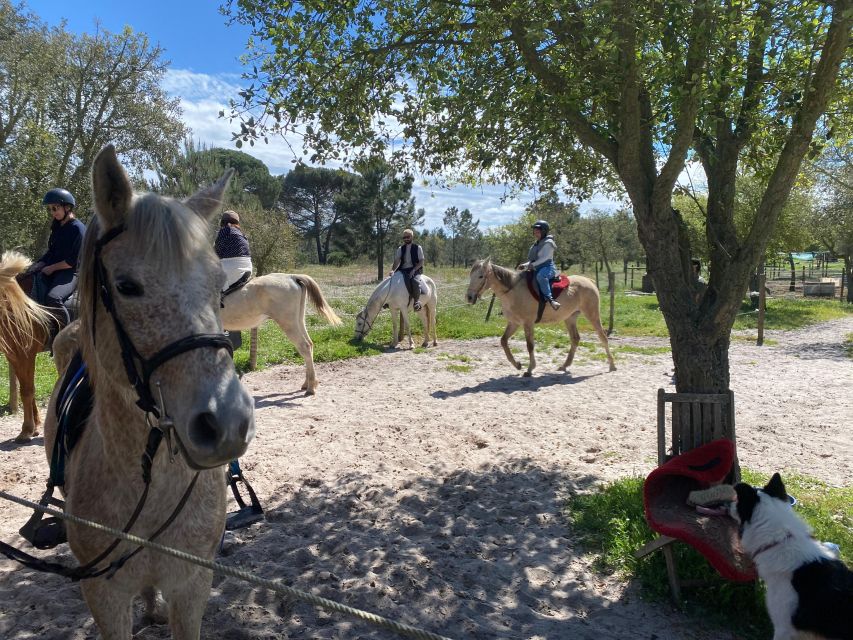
324,603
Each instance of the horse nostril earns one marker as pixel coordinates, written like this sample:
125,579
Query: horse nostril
204,430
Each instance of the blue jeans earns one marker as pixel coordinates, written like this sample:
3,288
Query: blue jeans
544,273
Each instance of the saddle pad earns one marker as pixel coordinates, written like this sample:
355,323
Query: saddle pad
665,494
557,285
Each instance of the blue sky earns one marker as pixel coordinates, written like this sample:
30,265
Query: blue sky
204,72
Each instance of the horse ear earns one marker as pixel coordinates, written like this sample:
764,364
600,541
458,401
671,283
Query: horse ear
206,202
111,188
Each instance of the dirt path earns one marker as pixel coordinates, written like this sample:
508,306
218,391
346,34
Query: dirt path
433,495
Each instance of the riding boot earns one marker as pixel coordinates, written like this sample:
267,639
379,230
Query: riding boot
416,294
541,309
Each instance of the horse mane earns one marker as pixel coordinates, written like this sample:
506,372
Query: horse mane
20,316
507,277
164,230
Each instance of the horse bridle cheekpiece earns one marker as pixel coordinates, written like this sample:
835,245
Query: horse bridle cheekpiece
140,378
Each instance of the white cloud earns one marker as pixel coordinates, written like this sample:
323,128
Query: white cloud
203,97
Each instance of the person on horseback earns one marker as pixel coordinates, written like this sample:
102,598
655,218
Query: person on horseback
232,247
540,259
55,273
409,259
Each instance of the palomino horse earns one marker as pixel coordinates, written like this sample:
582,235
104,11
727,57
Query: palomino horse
392,291
24,327
280,296
519,308
149,314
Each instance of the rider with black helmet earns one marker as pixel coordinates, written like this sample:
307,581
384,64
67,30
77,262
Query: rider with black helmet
540,259
56,270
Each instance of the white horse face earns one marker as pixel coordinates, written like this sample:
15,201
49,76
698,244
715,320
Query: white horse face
361,328
477,281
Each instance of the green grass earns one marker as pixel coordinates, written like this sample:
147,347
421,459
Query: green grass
348,289
848,344
459,368
611,523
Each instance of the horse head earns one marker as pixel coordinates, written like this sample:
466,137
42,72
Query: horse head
149,293
478,279
361,326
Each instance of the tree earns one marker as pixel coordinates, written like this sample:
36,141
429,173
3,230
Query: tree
464,232
272,238
613,92
378,202
832,221
433,243
608,236
308,196
107,90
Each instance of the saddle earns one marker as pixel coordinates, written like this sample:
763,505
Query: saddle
26,281
558,284
72,411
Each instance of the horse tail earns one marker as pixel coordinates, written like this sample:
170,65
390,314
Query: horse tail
22,321
317,299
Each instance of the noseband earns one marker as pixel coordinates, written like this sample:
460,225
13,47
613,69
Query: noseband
140,376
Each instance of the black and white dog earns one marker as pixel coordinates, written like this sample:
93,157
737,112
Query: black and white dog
809,591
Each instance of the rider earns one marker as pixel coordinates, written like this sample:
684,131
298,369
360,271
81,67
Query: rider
232,247
56,271
540,258
410,261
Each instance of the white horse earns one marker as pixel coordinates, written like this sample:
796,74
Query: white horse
392,291
280,296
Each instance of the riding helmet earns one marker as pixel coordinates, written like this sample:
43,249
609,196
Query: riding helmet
543,226
59,196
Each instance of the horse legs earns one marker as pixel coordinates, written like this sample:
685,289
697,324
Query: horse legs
110,607
510,330
528,337
572,328
406,327
298,335
433,320
25,371
395,326
425,315
187,604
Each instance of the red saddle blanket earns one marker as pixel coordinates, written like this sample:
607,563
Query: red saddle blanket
665,493
557,286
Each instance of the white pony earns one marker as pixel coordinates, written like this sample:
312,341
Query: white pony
392,292
280,296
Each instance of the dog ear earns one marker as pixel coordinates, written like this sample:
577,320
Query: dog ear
747,498
776,488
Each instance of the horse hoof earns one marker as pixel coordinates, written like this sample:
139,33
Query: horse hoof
613,367
563,369
527,374
23,438
310,392
518,366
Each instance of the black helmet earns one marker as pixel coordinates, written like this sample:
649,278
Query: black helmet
59,196
543,226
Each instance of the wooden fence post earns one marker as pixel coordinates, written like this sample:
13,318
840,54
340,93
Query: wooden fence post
611,277
489,312
762,301
253,349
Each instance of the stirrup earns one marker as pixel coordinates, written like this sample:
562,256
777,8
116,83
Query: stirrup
247,513
45,532
417,306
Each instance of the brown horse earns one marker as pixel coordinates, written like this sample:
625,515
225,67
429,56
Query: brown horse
152,341
24,328
519,308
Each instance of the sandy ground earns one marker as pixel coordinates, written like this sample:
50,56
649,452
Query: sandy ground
434,496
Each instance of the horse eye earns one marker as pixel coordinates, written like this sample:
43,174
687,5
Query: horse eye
128,288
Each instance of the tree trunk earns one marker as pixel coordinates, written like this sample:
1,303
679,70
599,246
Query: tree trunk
848,270
793,285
